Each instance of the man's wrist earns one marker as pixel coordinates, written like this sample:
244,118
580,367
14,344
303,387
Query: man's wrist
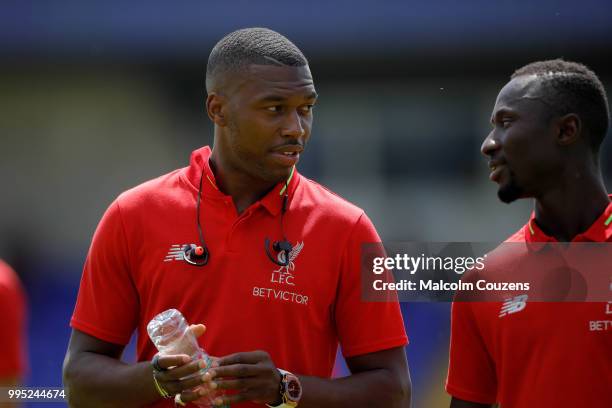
156,370
279,400
290,390
143,372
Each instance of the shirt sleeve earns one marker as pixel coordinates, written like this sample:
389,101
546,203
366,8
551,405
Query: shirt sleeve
107,305
364,326
471,371
13,320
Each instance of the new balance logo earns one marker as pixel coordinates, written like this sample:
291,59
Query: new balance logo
175,253
513,305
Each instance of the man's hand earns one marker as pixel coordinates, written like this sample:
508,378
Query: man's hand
179,374
252,374
182,378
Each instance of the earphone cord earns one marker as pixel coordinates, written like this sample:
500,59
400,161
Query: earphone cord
198,211
284,209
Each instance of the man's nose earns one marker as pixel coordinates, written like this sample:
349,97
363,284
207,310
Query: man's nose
294,125
489,145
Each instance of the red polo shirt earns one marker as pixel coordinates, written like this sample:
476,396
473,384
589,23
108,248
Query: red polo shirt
539,354
13,311
298,314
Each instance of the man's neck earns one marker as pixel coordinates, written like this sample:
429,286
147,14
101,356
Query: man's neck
571,208
243,189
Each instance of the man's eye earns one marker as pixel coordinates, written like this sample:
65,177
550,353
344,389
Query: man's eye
504,123
307,108
275,108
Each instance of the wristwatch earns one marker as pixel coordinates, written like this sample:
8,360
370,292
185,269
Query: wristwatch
290,390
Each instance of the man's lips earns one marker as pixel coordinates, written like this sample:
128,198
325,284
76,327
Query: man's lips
287,155
289,148
496,170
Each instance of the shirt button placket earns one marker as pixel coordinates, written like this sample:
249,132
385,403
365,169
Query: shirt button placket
240,219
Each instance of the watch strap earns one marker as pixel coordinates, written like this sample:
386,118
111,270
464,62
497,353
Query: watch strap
282,391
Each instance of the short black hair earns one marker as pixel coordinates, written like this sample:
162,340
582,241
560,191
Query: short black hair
248,46
571,87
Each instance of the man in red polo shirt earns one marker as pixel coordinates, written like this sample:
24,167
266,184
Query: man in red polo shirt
548,125
13,338
240,241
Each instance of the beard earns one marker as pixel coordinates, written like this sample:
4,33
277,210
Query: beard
247,161
511,191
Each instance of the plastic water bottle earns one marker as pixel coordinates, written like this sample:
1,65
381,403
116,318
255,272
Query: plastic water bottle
170,333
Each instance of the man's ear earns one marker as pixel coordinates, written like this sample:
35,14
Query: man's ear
570,129
215,107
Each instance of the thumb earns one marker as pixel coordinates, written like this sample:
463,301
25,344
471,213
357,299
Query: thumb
197,329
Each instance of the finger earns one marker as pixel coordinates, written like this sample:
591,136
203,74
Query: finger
183,371
236,370
208,375
174,360
177,386
196,394
250,357
231,399
214,361
197,329
189,383
251,383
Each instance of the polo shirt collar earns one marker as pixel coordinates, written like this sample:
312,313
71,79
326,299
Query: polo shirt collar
273,201
199,162
600,231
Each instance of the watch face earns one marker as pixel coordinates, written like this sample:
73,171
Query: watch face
294,390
